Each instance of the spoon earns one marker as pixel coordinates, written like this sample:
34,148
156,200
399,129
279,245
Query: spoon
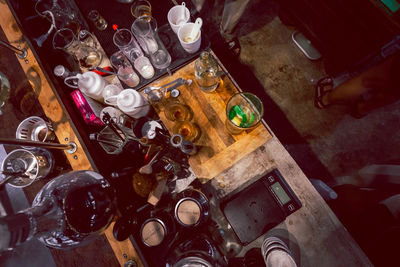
195,30
147,169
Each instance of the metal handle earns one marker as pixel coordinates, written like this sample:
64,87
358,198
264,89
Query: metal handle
70,148
21,53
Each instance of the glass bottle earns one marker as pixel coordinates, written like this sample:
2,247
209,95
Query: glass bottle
206,72
68,212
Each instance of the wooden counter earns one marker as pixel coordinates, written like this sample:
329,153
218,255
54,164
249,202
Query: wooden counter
322,240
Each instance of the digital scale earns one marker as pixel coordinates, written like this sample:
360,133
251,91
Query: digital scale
260,206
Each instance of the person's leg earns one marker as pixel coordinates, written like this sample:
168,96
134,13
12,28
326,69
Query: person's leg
371,88
233,11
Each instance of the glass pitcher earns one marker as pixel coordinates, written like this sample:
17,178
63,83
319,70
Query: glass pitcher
83,51
63,13
68,212
145,30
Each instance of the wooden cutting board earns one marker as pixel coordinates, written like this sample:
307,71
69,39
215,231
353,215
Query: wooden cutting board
218,150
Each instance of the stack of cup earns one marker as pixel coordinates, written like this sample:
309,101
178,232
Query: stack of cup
276,253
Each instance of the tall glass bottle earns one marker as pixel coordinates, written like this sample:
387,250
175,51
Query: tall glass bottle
206,72
68,212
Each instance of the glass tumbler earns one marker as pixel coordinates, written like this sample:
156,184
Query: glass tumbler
244,111
99,22
123,39
175,111
189,130
145,30
124,69
141,8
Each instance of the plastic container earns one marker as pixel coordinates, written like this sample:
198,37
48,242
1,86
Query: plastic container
133,103
90,84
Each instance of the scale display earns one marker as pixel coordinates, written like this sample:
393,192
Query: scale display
260,206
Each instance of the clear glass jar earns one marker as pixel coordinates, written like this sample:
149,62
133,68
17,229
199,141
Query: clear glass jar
206,72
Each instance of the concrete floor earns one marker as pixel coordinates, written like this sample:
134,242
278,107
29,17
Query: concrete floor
330,143
342,143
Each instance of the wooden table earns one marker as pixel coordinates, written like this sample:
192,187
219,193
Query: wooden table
321,238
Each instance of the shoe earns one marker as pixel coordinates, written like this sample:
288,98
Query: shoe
323,87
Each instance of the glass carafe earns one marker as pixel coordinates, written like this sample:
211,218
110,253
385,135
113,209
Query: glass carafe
206,72
63,13
83,50
145,30
69,211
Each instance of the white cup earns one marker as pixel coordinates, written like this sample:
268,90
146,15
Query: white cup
190,46
178,16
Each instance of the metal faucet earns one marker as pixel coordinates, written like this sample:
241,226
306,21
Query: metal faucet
21,53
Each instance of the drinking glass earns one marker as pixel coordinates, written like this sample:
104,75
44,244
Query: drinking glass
145,30
189,130
141,8
144,67
99,22
125,42
244,111
124,69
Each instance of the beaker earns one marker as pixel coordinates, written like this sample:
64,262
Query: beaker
85,54
145,30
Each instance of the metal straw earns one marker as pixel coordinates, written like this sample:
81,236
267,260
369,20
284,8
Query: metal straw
70,147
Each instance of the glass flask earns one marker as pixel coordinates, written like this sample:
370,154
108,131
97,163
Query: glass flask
68,212
206,72
145,30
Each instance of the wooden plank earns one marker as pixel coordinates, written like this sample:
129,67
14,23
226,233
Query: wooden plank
54,111
218,149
